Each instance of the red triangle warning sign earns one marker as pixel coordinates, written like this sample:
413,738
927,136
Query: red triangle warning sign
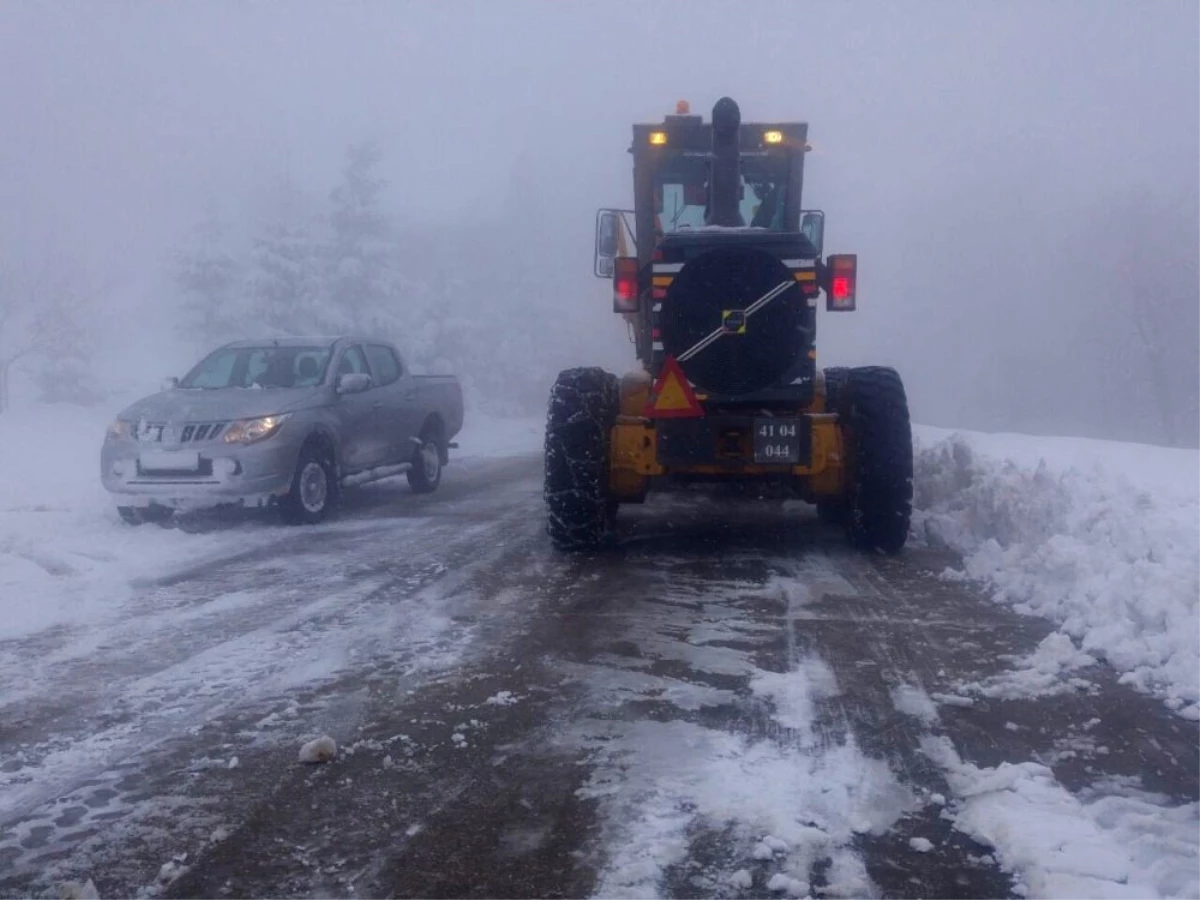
672,396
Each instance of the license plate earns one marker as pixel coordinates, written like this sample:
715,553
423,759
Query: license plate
777,441
170,461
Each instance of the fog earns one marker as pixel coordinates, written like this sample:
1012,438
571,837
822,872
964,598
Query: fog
1020,181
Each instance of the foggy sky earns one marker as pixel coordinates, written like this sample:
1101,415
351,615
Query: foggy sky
121,120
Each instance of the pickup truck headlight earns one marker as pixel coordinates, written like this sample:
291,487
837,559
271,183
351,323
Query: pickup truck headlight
250,431
120,430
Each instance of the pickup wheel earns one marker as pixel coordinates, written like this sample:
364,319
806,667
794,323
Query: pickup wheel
314,486
426,472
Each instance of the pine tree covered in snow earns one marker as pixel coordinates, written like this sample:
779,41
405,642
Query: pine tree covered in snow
362,281
210,280
63,370
43,329
286,287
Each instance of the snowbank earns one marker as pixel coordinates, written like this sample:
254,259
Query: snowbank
1112,841
1101,537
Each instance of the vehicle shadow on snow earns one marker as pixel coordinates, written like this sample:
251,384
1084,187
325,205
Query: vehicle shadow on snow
717,521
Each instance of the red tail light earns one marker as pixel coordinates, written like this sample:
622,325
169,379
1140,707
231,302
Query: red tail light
843,282
625,285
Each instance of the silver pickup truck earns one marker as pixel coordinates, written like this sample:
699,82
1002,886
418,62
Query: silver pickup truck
284,422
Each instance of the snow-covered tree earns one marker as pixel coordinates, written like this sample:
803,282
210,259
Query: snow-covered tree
361,279
285,281
285,284
209,278
43,327
1139,316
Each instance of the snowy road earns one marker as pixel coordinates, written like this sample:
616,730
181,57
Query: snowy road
731,703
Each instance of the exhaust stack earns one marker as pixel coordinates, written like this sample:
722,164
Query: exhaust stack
725,179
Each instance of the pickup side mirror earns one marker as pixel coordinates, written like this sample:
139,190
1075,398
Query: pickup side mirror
169,383
353,383
812,226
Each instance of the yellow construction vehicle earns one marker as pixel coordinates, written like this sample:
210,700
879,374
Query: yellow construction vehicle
718,270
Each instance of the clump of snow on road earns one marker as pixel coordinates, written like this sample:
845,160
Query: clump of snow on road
913,701
742,879
1101,537
1112,841
793,887
73,890
1045,672
321,750
503,698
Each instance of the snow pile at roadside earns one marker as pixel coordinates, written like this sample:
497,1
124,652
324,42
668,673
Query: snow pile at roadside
1101,537
1114,840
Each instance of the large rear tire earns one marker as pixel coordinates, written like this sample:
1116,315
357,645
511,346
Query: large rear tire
583,410
835,384
874,409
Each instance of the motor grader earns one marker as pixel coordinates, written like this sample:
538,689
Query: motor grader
717,271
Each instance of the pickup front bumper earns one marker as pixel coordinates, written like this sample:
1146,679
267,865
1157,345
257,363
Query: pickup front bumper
140,474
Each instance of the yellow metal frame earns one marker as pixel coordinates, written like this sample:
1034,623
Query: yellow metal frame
634,442
634,459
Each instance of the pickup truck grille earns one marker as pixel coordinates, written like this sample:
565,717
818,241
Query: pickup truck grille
160,432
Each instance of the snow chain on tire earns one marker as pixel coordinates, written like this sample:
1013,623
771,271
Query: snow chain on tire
875,410
583,410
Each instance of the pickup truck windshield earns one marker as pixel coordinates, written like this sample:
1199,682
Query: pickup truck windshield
259,367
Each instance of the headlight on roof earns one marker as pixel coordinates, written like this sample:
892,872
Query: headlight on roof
250,431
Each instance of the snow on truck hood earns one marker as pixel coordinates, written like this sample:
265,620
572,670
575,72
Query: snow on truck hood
186,405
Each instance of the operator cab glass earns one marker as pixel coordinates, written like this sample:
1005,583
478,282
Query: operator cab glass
681,195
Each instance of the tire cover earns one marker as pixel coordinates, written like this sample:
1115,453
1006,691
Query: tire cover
715,283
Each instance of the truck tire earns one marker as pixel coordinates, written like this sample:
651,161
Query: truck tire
314,486
426,472
583,410
832,510
874,408
835,383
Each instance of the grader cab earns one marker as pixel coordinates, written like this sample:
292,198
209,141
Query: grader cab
718,270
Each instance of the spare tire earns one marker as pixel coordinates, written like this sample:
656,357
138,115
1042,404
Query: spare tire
728,279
